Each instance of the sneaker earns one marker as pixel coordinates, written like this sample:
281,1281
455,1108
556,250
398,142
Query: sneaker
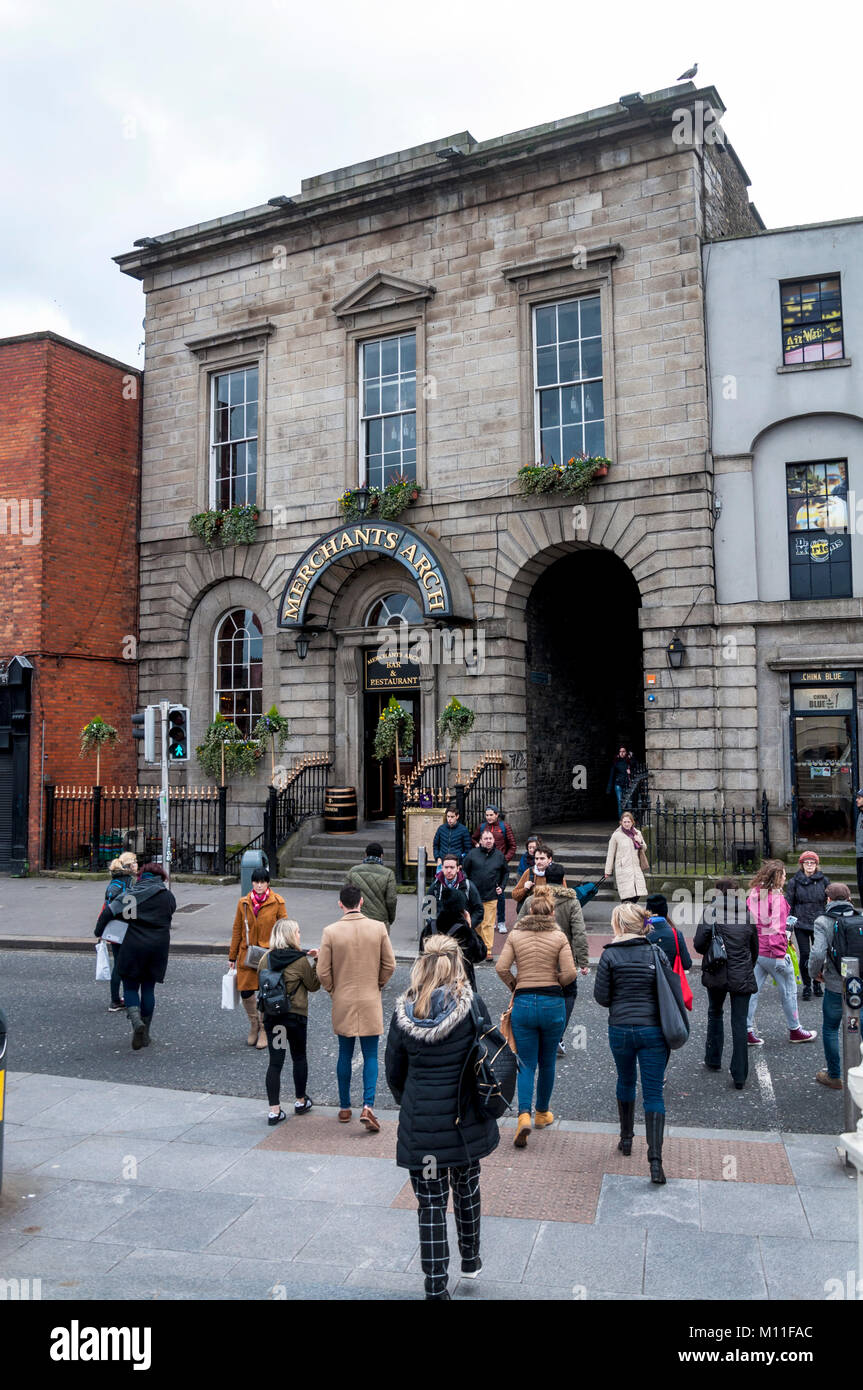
561,1048
369,1119
807,991
470,1269
116,1008
834,1082
276,1119
801,1035
754,1040
818,990
501,928
302,1107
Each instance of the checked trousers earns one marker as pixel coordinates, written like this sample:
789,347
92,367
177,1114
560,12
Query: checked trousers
432,1194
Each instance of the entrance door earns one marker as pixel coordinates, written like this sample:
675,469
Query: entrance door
5,812
379,777
825,759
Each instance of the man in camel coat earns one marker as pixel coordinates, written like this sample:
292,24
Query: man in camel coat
354,963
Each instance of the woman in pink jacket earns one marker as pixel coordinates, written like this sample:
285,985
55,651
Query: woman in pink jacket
770,910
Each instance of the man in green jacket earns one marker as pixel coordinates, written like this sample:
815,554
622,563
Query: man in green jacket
377,884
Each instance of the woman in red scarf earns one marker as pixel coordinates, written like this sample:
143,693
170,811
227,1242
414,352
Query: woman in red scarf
624,849
257,914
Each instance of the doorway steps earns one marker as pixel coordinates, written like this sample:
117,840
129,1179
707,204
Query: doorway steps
324,860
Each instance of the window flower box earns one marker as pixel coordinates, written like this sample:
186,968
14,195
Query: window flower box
386,503
575,476
234,526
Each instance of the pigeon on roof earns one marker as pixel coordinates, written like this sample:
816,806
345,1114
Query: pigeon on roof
690,72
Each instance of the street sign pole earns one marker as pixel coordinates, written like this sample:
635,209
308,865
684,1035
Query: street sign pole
163,794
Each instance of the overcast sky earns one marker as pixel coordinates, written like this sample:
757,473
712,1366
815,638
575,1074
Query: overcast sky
126,120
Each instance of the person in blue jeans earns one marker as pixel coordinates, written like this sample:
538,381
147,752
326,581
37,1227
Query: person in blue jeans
542,956
837,934
626,986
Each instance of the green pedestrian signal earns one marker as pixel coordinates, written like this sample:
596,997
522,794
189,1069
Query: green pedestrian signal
178,734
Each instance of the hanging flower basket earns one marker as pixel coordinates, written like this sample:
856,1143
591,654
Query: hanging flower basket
395,728
235,526
573,477
386,503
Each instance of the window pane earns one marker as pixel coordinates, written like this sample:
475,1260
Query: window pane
252,418
573,443
796,478
371,360
374,437
251,383
550,445
237,388
392,436
389,357
594,440
222,389
549,408
408,394
389,397
570,400
372,401
238,422
591,358
545,326
546,366
409,352
790,306
590,317
409,431
374,469
833,348
569,362
567,322
220,421
593,401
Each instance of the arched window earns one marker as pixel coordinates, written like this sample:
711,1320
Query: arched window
393,610
240,668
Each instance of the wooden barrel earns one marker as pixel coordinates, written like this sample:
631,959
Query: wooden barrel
340,811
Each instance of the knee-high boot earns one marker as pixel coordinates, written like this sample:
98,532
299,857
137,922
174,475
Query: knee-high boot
655,1125
251,1007
138,1029
626,1111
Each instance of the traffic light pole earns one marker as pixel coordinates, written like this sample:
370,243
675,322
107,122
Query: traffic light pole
163,794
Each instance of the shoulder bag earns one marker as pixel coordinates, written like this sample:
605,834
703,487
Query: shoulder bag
493,1067
254,954
681,973
672,1013
643,860
716,955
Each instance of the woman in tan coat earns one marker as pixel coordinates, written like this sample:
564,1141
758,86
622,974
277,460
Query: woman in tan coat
543,959
256,915
622,857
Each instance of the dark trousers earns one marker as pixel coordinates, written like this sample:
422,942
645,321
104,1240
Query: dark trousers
115,975
804,946
860,878
140,995
739,1031
431,1195
570,994
283,1033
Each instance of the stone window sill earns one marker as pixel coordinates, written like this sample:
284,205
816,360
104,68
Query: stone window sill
814,366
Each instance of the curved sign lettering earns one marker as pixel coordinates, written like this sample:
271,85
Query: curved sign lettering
411,550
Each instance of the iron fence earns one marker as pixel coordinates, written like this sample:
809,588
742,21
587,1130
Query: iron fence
701,842
87,827
484,787
297,795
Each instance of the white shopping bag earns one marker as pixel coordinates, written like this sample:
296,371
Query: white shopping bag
229,990
103,962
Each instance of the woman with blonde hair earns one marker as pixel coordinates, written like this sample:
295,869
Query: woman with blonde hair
624,857
123,871
542,956
289,1030
626,986
442,1133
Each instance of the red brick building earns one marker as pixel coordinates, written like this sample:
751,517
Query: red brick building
69,500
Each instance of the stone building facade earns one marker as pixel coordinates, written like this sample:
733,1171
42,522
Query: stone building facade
552,278
783,312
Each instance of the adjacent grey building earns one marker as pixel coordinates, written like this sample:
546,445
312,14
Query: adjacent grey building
448,315
784,322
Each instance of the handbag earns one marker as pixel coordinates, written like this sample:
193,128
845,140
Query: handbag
506,1028
716,955
103,962
493,1067
643,860
229,989
679,971
254,954
116,930
672,1013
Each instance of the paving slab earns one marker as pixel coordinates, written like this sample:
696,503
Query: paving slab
741,1208
158,1265
185,1167
703,1265
358,1181
78,1210
815,1163
25,1148
831,1211
506,1245
636,1201
262,1171
284,1279
42,1256
103,1157
177,1221
797,1267
375,1238
290,1224
589,1257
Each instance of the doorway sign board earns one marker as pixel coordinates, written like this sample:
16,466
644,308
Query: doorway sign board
392,674
421,826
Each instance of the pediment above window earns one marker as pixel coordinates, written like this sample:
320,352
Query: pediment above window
248,337
382,291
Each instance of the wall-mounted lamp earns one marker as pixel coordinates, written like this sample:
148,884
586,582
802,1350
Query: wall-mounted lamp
303,639
361,498
675,652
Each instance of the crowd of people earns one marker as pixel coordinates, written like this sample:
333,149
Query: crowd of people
744,939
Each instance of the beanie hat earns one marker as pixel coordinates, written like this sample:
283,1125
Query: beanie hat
657,905
554,873
809,854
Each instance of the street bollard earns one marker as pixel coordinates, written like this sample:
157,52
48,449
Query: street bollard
2,1087
252,859
426,902
851,1055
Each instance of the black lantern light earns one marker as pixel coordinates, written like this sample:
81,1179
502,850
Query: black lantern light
675,652
361,497
304,636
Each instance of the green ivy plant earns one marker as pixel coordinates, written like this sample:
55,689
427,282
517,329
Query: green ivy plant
234,526
395,727
455,721
569,478
225,752
97,734
386,503
277,729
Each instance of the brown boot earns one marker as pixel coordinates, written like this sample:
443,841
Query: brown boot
251,1007
262,1035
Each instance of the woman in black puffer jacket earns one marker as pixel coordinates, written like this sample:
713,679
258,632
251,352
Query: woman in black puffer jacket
626,986
730,916
148,906
807,897
442,1134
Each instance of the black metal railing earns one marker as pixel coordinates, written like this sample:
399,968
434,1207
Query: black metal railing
298,794
87,827
484,787
637,793
701,842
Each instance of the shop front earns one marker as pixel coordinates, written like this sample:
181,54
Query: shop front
824,754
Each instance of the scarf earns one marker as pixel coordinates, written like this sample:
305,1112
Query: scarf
457,882
631,833
258,899
373,859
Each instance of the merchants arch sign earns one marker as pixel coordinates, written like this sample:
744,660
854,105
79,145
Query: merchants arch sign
442,586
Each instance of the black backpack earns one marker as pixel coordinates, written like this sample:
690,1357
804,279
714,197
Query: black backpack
273,998
847,939
491,1067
